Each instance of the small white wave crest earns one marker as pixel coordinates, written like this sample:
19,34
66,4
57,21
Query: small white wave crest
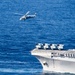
9,70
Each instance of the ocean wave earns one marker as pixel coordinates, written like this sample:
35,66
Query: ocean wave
18,62
17,14
9,70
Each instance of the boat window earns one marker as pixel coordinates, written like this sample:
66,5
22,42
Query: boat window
71,55
66,55
52,53
61,55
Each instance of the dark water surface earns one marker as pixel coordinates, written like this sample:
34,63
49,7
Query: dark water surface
54,23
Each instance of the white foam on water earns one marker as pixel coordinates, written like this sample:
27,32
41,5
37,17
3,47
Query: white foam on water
9,70
17,62
18,14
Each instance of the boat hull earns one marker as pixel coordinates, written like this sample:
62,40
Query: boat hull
54,61
56,65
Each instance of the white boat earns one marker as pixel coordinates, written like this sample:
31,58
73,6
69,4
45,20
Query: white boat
54,58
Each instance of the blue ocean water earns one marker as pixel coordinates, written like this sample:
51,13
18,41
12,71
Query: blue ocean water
54,23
